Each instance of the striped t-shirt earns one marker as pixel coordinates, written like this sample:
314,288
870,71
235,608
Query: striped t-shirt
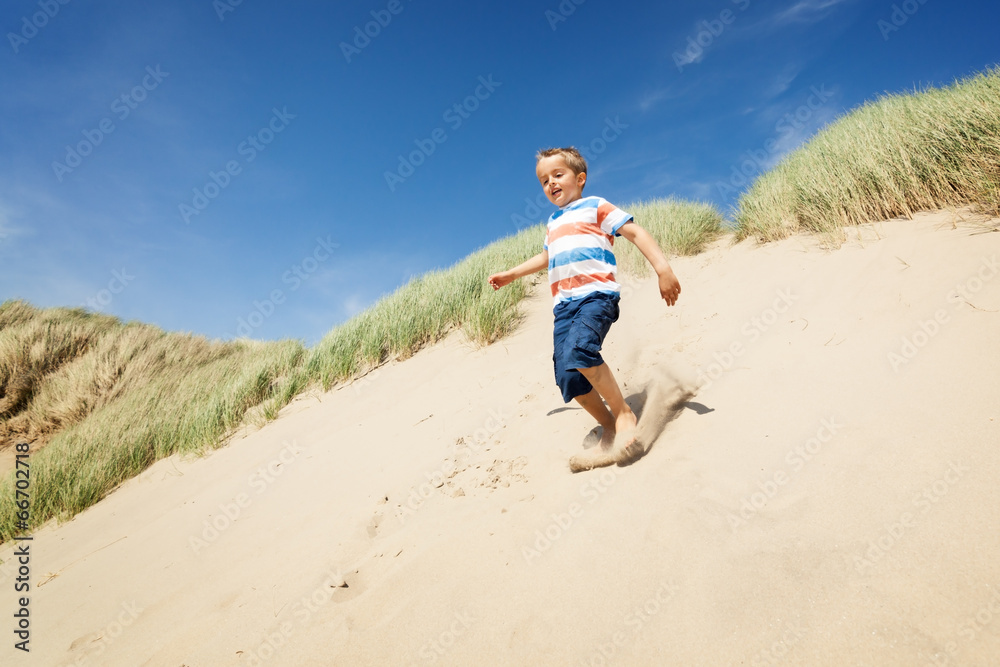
579,240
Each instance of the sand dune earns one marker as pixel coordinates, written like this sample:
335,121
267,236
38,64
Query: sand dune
828,497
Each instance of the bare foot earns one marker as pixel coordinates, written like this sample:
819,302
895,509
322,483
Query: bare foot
617,445
595,457
627,446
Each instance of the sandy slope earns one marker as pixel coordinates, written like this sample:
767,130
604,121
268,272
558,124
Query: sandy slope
819,502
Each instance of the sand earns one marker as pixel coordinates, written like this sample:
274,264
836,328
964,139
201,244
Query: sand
829,496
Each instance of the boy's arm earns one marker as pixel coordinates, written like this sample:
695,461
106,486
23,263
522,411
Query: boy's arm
533,265
670,287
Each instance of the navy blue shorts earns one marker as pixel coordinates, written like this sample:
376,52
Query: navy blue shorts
580,328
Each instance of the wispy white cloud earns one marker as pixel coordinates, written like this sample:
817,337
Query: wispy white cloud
650,99
795,136
799,13
699,190
806,11
9,228
783,80
352,304
685,58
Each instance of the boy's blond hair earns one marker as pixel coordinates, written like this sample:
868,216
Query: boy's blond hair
570,154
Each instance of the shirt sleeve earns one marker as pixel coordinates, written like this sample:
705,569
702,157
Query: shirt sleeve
610,217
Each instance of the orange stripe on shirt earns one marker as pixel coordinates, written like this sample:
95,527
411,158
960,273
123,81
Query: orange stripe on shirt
567,284
576,228
603,210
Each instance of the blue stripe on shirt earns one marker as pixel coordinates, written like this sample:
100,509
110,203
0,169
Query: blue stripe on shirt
580,255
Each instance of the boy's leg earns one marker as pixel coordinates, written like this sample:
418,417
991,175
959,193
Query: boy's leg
579,332
619,444
594,405
625,421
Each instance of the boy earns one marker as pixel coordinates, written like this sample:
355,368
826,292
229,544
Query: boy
582,275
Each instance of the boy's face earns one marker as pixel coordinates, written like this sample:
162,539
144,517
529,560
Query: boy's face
560,183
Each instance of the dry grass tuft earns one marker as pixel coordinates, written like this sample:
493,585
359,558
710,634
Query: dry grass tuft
892,157
101,400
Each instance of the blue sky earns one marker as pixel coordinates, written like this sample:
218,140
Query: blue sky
269,169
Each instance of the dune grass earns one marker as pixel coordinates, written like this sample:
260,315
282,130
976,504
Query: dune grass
425,309
101,400
891,157
680,227
108,399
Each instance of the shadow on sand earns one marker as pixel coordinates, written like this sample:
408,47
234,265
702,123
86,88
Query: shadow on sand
659,402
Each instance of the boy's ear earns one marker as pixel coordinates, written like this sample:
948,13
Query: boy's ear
581,179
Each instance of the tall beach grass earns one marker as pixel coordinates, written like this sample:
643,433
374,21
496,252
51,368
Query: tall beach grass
428,307
107,399
891,157
100,400
680,227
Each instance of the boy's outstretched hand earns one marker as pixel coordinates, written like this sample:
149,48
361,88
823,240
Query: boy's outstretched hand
670,287
498,280
533,265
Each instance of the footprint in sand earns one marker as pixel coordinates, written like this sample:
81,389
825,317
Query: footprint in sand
373,525
81,643
350,585
503,472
